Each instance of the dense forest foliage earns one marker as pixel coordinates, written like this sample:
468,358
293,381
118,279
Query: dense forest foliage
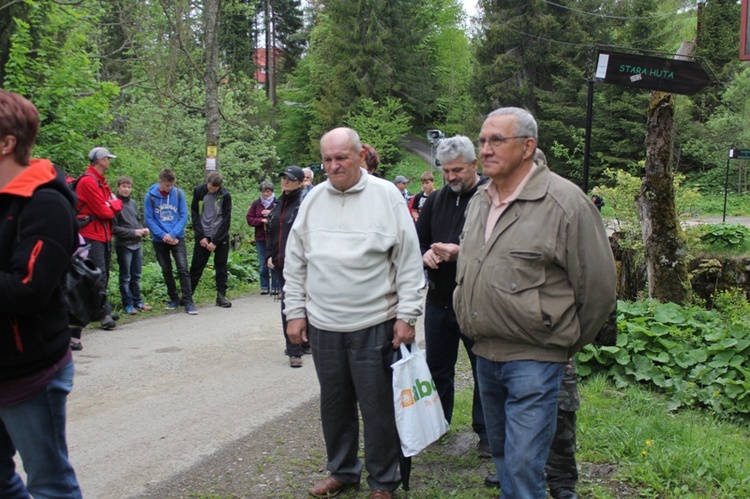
131,75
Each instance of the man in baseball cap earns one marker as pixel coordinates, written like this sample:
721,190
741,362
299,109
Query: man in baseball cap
97,207
293,173
401,182
98,153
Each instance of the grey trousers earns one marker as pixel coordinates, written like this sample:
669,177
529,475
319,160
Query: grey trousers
355,368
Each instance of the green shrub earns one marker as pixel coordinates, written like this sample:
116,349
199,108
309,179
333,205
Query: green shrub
697,356
725,237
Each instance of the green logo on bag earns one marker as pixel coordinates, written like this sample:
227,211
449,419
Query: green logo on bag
423,388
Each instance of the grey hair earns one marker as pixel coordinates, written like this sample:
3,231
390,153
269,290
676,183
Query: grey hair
266,185
353,137
456,147
540,157
307,169
525,122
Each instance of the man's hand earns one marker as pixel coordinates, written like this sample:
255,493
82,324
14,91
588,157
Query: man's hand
296,330
204,243
169,239
211,247
447,252
430,259
402,333
269,264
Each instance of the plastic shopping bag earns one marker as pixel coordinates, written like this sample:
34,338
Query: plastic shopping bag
419,413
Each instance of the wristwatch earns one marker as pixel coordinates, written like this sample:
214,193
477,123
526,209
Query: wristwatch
411,322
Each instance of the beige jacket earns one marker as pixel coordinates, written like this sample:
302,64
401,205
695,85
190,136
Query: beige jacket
544,283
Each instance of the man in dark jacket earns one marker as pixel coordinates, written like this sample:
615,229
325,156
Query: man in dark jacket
280,222
438,227
129,230
38,234
211,212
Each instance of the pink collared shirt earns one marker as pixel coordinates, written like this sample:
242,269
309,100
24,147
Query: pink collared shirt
498,206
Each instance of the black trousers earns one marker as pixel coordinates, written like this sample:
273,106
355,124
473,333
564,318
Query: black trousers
355,368
101,254
200,259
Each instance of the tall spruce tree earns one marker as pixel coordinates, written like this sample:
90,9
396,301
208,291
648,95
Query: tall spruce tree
372,49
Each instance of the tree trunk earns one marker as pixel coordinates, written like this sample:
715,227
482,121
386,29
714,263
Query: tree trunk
663,239
211,78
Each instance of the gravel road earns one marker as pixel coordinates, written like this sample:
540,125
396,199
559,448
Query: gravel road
154,397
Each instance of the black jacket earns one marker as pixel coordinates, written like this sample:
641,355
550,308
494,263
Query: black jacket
441,220
38,234
126,222
224,204
280,222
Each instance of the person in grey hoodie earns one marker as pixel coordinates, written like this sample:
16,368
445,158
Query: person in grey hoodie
128,230
166,217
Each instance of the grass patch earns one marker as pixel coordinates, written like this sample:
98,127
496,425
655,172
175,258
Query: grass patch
690,453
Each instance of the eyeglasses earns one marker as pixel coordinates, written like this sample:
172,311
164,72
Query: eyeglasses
496,142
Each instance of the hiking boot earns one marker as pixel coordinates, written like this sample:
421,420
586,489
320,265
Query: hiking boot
221,301
108,323
172,305
564,493
483,448
492,480
75,344
295,361
190,309
130,310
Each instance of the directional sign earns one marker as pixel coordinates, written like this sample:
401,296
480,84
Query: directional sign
739,153
651,73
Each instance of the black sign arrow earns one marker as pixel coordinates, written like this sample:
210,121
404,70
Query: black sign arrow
651,73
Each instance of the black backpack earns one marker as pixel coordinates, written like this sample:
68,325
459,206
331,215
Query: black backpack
85,219
83,289
83,285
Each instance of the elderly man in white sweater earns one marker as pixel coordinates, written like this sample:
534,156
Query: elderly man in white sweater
354,288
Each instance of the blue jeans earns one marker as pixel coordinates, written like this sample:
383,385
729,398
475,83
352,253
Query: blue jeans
179,252
442,339
520,409
263,271
36,428
130,262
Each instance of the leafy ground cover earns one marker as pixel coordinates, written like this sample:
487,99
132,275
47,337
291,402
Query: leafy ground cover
697,357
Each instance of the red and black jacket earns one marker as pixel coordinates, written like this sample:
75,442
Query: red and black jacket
280,222
38,234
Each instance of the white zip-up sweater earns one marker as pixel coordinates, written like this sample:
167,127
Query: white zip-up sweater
352,258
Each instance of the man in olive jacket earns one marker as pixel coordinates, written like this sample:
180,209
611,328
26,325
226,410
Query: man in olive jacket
535,282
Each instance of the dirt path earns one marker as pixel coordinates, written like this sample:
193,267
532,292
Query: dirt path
154,397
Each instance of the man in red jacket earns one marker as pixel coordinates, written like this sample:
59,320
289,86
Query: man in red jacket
97,207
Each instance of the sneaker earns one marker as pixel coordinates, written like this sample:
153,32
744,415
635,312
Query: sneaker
295,361
221,301
264,291
108,323
172,305
143,306
115,317
75,344
190,309
130,309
